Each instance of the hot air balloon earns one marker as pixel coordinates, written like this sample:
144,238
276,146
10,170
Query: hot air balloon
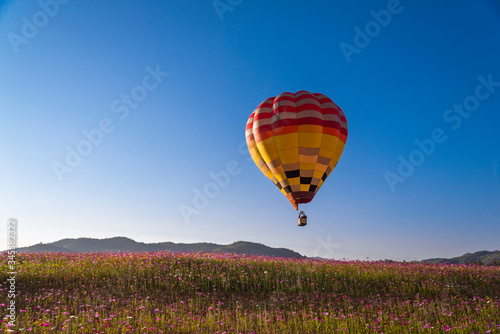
296,140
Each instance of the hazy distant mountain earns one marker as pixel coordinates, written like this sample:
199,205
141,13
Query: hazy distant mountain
481,257
122,244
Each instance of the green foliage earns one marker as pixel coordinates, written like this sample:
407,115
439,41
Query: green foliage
481,258
123,244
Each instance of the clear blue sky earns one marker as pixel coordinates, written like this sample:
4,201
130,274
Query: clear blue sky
164,90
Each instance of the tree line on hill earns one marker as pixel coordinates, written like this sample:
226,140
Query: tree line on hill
123,244
488,258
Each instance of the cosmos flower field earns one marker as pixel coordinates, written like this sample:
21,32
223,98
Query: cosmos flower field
164,292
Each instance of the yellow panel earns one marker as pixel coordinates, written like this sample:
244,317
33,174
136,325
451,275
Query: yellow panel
278,172
268,144
308,166
318,174
338,151
310,142
310,136
282,176
340,148
329,146
287,146
304,187
255,154
329,141
268,150
256,157
286,141
334,162
294,181
269,156
290,156
326,153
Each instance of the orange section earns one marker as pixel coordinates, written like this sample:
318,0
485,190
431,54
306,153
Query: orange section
285,130
310,128
293,201
332,131
262,136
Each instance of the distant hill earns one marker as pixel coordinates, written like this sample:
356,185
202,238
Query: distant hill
481,257
123,244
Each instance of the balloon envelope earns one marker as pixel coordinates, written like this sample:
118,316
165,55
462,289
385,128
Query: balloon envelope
296,140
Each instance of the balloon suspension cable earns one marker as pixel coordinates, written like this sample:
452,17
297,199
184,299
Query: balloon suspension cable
280,198
302,207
